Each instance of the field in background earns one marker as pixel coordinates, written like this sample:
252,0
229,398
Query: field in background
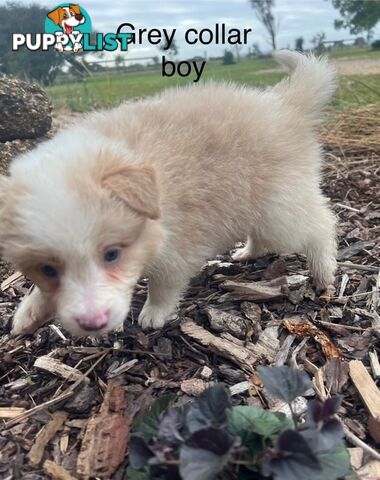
109,90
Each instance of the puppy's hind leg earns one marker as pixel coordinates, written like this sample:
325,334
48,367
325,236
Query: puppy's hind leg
254,248
321,247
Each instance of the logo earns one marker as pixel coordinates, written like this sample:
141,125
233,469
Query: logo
67,22
68,28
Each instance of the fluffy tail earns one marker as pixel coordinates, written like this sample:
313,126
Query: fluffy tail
310,85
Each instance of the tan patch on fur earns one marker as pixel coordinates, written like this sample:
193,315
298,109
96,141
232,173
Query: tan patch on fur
141,251
137,187
30,262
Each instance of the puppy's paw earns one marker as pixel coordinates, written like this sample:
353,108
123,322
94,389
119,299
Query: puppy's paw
24,321
154,316
325,294
242,255
31,314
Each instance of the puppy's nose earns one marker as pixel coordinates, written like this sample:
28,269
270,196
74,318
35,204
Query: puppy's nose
93,322
78,16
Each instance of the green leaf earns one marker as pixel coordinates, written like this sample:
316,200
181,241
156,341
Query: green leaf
256,428
335,463
199,464
133,474
284,383
147,426
209,409
246,474
139,452
204,455
295,460
244,419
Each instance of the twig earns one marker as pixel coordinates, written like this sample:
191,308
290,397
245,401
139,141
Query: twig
283,354
10,280
343,285
299,347
347,207
58,332
346,297
348,327
359,443
63,396
355,266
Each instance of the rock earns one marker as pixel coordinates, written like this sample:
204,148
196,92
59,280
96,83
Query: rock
232,374
251,311
206,373
82,400
25,110
227,322
370,470
194,386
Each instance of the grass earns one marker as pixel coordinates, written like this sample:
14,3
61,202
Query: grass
357,90
110,89
355,53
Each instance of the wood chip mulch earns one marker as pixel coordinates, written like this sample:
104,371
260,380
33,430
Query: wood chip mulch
66,405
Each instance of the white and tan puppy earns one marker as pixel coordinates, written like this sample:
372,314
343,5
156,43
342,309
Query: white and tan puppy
157,186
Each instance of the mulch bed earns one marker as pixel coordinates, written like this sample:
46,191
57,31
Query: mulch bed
279,317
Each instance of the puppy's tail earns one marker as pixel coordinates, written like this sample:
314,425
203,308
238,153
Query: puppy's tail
311,83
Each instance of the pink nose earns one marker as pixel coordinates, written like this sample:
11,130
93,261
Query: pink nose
93,322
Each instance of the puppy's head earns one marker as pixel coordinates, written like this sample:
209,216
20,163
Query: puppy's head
82,230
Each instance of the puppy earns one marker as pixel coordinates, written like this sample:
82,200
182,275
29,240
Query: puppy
67,18
157,186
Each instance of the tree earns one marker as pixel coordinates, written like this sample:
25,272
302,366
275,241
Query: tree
119,61
237,52
318,42
256,50
38,65
172,49
264,13
357,15
228,58
299,44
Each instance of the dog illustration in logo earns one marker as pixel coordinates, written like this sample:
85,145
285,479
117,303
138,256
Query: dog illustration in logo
67,18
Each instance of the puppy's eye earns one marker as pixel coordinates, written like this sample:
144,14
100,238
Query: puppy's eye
49,271
112,254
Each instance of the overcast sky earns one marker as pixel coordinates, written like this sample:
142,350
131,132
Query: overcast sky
296,18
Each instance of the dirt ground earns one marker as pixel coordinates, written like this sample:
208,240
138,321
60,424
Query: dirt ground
362,66
233,317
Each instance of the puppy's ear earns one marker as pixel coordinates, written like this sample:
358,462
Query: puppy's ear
76,9
56,15
136,185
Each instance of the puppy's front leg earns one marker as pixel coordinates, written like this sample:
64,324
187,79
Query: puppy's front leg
34,311
164,294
